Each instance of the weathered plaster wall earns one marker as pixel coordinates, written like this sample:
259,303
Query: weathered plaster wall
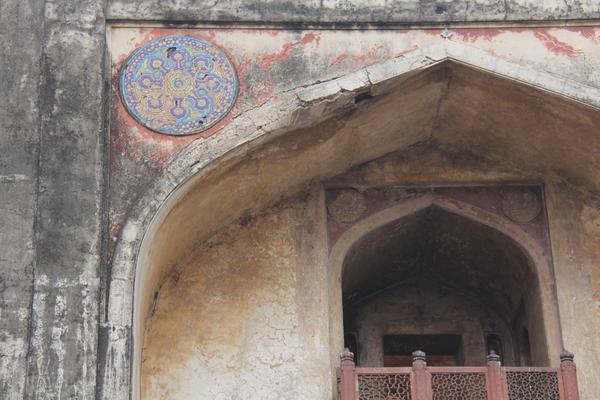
246,315
574,220
64,320
19,136
51,177
182,312
52,161
274,61
316,152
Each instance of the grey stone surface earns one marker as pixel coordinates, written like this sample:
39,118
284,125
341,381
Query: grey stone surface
51,174
20,54
351,12
16,268
62,353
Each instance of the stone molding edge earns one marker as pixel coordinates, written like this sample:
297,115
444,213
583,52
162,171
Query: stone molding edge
352,12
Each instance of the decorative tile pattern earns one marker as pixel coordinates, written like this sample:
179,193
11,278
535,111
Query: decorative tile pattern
178,85
532,385
384,387
459,386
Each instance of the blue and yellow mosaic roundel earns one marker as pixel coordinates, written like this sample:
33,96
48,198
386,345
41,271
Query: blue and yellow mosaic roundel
178,85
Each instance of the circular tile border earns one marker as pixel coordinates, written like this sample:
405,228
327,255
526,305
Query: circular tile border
178,85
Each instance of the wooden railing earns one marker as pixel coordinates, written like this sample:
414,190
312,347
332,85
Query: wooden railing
492,382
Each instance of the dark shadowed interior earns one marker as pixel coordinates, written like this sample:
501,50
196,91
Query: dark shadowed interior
438,273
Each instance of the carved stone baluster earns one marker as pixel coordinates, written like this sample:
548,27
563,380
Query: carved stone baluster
494,376
569,376
347,376
422,377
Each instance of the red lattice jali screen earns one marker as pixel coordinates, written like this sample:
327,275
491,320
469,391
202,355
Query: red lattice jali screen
492,382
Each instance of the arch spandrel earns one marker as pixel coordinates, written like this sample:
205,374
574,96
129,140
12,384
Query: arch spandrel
326,132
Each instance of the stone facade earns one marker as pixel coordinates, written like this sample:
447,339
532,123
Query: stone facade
140,264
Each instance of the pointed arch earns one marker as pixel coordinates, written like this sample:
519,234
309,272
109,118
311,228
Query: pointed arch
148,244
538,259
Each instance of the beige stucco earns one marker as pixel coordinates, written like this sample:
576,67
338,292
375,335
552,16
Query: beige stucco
246,315
264,277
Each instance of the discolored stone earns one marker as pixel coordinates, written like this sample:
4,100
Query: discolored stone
348,206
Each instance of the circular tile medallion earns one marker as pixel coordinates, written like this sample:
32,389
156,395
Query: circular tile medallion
348,206
522,205
178,85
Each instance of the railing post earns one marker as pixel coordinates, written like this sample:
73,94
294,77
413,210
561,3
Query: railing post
422,377
347,376
494,376
569,376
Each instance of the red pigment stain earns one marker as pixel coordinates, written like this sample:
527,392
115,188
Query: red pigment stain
550,41
266,60
270,32
115,230
472,35
338,59
588,32
153,33
266,93
556,46
142,145
146,34
403,52
370,57
211,34
243,66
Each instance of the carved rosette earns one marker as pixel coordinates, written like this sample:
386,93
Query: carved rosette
348,206
522,204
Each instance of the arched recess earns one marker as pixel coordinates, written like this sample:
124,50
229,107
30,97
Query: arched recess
543,310
312,133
